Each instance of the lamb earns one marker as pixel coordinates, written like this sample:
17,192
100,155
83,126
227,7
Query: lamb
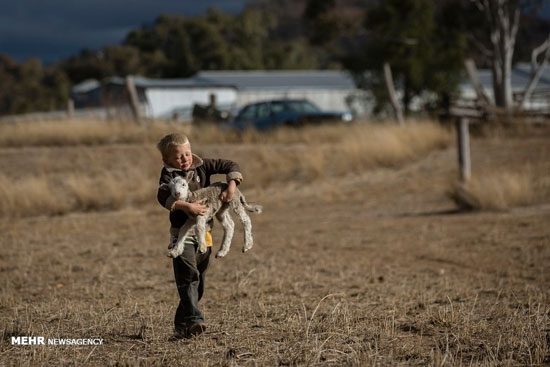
210,197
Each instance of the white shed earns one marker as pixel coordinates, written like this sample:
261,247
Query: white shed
174,98
329,89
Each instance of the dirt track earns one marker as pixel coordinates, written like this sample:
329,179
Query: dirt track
383,272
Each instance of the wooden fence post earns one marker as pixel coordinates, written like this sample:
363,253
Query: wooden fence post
391,92
133,98
70,108
463,145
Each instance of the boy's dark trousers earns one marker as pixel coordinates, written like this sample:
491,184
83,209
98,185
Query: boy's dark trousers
189,270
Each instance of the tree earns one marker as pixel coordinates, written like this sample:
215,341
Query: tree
108,61
503,20
169,36
29,86
420,44
335,29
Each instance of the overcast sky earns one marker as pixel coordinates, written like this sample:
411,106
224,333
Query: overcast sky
55,29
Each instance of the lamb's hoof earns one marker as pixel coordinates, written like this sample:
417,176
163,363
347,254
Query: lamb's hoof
246,249
202,249
173,253
220,254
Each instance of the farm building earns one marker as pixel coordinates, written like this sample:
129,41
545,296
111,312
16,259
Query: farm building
329,89
230,90
158,98
175,98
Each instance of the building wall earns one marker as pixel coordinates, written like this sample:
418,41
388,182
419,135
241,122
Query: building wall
167,103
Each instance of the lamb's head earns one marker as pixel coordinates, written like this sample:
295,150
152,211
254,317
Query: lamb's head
179,188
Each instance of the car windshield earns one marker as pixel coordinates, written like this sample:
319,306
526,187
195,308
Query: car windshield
247,113
302,106
263,110
277,107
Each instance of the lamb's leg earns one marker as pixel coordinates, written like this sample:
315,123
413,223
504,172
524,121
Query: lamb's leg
247,225
177,250
174,234
228,229
201,233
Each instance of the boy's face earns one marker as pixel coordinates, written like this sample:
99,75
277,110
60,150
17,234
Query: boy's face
180,157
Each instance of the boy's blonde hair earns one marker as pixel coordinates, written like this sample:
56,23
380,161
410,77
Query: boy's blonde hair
169,141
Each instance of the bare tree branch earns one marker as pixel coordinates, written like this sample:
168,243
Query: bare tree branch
488,54
478,4
536,70
472,74
537,51
515,24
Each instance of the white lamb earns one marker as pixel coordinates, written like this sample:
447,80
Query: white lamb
210,197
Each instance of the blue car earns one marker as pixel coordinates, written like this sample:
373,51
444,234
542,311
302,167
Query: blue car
285,112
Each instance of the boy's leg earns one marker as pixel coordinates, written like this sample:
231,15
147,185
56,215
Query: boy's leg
203,261
189,271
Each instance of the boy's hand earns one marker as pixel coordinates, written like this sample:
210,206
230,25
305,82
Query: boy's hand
193,209
227,195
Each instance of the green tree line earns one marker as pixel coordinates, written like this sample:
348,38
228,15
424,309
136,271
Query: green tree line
425,41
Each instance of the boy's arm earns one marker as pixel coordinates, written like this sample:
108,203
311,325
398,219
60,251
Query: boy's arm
227,194
231,169
232,172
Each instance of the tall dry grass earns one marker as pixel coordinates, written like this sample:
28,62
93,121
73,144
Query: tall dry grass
82,132
79,175
504,189
333,150
100,132
46,195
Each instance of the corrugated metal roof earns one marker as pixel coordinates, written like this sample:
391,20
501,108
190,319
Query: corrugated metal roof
143,82
195,81
293,79
86,86
242,80
281,79
521,75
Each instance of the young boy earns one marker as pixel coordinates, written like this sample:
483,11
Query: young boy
190,267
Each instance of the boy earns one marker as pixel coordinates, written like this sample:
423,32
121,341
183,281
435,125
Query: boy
190,267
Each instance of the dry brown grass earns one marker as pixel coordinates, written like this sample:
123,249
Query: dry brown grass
101,180
506,183
499,190
382,275
99,132
81,132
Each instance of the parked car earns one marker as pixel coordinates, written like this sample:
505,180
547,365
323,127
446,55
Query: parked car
285,112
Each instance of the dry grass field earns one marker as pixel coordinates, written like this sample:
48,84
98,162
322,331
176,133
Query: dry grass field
361,256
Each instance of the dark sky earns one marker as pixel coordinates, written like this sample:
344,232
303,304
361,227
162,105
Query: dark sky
55,29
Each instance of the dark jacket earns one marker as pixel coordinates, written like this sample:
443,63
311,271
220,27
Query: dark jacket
199,177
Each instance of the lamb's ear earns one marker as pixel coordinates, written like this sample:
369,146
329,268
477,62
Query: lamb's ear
164,186
189,176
